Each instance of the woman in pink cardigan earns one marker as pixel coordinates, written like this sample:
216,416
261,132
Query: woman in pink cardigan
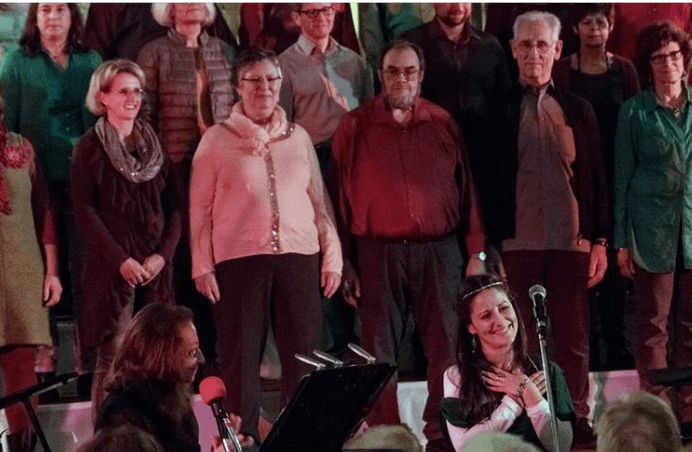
262,236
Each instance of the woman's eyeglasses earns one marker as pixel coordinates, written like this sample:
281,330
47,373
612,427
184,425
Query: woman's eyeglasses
258,81
137,92
196,353
661,58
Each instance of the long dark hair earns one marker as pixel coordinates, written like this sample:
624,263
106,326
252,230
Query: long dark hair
31,38
150,352
477,402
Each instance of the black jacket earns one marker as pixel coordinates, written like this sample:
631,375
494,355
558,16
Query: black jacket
589,185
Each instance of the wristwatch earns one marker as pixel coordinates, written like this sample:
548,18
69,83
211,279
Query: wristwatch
480,256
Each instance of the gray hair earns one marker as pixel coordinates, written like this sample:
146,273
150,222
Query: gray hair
549,19
102,78
639,422
163,14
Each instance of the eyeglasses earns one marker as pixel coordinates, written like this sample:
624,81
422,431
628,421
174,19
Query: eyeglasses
393,73
196,353
138,92
542,46
663,57
256,82
313,13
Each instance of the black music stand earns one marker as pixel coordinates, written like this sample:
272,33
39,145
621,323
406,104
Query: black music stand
327,408
672,376
24,396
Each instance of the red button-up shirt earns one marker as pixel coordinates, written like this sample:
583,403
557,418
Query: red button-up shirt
399,182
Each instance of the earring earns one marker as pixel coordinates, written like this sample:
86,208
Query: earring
473,343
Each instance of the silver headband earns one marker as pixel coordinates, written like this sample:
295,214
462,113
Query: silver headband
480,289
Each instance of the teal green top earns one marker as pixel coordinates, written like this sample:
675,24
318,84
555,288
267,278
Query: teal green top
46,104
653,182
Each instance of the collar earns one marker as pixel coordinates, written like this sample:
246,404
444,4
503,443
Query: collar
307,46
437,32
650,101
383,114
182,40
547,89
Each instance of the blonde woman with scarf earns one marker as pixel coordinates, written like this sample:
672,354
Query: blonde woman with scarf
126,209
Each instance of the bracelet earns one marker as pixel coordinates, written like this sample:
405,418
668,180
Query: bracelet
601,241
522,387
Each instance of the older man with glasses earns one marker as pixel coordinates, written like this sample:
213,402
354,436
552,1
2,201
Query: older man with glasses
406,202
549,210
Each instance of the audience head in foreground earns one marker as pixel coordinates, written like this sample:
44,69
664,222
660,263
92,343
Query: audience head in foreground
640,422
385,437
498,442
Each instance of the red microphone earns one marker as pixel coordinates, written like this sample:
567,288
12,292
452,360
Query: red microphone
213,391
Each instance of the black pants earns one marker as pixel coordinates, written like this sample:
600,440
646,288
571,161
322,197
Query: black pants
403,280
255,291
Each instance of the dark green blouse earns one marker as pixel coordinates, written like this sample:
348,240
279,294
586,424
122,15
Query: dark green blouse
46,104
653,182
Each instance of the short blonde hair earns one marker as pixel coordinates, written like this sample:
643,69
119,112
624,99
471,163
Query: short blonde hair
639,422
102,78
163,14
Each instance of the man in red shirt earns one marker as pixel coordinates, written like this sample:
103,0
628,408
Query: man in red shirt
406,201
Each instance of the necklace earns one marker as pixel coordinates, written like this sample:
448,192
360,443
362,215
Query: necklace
674,105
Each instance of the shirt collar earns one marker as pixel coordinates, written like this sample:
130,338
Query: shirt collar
307,46
437,32
650,101
548,89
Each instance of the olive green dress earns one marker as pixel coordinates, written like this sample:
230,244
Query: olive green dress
23,319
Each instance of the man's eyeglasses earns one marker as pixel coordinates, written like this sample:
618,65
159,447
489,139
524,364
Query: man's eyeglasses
393,73
661,58
542,46
313,13
258,81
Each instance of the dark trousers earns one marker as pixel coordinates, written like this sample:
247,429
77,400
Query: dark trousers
658,294
255,291
611,318
403,280
70,251
564,274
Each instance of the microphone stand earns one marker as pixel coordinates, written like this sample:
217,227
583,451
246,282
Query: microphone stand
24,396
542,341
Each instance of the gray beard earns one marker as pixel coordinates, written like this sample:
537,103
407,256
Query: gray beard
401,102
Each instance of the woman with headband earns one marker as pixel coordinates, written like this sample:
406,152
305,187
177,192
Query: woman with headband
495,386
